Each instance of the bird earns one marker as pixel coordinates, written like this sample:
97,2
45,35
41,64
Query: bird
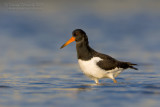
93,64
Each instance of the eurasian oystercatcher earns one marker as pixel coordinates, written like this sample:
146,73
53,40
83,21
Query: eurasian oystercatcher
93,64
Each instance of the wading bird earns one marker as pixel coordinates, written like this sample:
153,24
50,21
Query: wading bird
93,64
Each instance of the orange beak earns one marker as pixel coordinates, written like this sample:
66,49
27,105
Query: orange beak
68,42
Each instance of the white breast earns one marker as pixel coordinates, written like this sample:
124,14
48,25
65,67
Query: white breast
91,69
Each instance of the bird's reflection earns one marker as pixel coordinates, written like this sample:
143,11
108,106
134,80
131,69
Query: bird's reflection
4,86
87,87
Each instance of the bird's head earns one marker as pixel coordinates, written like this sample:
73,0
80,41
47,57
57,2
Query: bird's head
78,35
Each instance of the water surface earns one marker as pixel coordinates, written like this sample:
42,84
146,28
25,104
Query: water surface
34,72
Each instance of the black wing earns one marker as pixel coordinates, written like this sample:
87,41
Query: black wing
109,63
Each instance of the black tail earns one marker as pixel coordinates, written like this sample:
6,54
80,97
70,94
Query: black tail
131,65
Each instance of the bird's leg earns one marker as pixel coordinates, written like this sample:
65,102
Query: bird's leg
96,81
112,77
114,80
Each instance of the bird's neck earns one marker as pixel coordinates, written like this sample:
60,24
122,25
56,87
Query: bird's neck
84,51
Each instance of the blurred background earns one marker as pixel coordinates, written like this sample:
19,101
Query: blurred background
35,72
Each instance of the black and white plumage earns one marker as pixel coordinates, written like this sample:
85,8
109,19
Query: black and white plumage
93,64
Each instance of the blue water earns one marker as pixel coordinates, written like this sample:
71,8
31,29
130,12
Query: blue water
34,72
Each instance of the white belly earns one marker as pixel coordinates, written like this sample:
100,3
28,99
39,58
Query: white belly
91,69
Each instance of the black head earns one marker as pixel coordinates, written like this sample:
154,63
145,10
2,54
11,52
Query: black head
79,36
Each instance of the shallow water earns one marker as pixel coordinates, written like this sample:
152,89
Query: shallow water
64,85
34,72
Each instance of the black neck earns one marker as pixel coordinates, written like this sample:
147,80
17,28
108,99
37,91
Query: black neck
84,51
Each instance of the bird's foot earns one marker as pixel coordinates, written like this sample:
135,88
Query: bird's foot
96,81
114,80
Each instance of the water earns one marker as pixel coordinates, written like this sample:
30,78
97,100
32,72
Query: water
34,72
63,85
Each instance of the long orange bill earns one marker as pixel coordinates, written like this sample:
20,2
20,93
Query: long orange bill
68,42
